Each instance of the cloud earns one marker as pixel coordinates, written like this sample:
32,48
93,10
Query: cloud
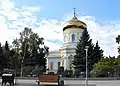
51,31
105,32
14,19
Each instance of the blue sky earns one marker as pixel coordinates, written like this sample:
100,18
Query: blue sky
47,17
101,9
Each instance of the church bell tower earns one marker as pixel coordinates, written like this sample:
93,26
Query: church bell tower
72,31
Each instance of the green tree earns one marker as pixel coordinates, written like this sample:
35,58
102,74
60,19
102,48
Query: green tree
118,41
1,57
79,58
106,66
24,42
94,53
6,55
14,60
7,46
16,45
28,48
38,57
22,46
97,54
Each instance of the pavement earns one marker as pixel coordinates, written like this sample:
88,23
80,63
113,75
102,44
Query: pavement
27,82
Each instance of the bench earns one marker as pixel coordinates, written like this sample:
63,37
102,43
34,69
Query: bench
8,78
49,79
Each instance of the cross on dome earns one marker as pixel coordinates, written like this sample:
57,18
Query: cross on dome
74,22
74,12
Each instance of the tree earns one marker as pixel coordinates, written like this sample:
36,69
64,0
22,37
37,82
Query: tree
28,48
22,46
38,57
14,60
118,41
1,57
97,54
79,58
16,45
6,55
94,53
7,46
106,66
1,52
24,42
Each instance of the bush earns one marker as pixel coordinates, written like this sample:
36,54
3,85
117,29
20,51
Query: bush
107,72
18,74
77,73
27,70
68,73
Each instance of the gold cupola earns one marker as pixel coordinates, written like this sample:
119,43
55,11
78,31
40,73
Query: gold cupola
74,23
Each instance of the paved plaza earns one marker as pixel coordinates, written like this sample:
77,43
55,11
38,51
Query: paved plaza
24,82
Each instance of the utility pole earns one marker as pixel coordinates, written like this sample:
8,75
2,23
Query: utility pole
86,79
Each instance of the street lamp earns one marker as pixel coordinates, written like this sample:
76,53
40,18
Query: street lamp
86,79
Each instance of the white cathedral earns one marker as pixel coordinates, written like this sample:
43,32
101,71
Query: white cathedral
72,31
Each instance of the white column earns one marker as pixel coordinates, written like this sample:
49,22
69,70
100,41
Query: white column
67,62
61,62
47,64
86,79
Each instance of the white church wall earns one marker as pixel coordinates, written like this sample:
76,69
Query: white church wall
68,32
65,53
67,58
55,61
67,49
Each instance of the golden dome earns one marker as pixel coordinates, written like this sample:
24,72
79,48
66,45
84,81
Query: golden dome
74,23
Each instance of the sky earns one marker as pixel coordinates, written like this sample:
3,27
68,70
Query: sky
47,17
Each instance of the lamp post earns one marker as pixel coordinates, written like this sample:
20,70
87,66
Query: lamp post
21,69
21,58
86,79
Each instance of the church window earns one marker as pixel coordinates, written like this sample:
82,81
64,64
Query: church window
58,64
73,37
51,66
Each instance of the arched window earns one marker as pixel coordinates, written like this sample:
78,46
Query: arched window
58,64
73,37
51,66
